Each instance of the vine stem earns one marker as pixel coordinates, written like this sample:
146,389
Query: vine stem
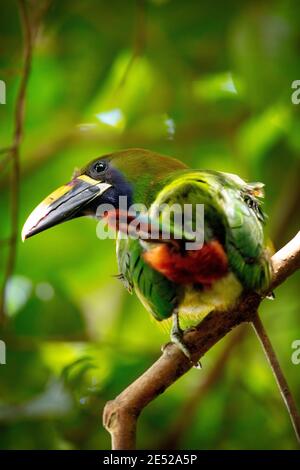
284,389
14,152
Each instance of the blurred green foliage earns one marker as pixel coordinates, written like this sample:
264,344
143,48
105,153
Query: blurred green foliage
207,82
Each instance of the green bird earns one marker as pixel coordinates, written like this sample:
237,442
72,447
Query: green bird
181,268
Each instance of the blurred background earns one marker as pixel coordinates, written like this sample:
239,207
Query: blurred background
204,81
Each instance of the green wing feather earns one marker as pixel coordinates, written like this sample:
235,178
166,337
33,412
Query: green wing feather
156,292
233,214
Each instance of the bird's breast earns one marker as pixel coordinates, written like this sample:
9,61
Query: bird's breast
203,266
220,296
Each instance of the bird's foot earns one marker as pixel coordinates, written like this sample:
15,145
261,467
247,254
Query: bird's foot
177,338
184,349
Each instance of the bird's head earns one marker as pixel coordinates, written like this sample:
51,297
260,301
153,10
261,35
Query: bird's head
136,173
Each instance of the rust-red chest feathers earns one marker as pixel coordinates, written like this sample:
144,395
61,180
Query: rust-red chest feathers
202,266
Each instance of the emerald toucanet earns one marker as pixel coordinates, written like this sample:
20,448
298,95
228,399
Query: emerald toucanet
170,279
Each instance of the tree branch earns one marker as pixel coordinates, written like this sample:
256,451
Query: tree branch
139,39
121,414
30,30
278,374
15,151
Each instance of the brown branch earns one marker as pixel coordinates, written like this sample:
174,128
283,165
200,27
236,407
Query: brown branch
14,153
278,374
139,40
121,414
30,30
286,261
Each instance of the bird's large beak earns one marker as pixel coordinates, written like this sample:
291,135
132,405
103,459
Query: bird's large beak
66,203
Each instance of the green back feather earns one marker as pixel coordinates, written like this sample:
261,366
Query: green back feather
233,214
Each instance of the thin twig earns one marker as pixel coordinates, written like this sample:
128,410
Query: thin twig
278,373
15,151
139,39
30,31
121,414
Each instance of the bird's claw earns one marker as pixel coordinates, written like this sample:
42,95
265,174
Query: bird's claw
177,338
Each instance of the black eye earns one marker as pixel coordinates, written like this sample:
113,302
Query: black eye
99,167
